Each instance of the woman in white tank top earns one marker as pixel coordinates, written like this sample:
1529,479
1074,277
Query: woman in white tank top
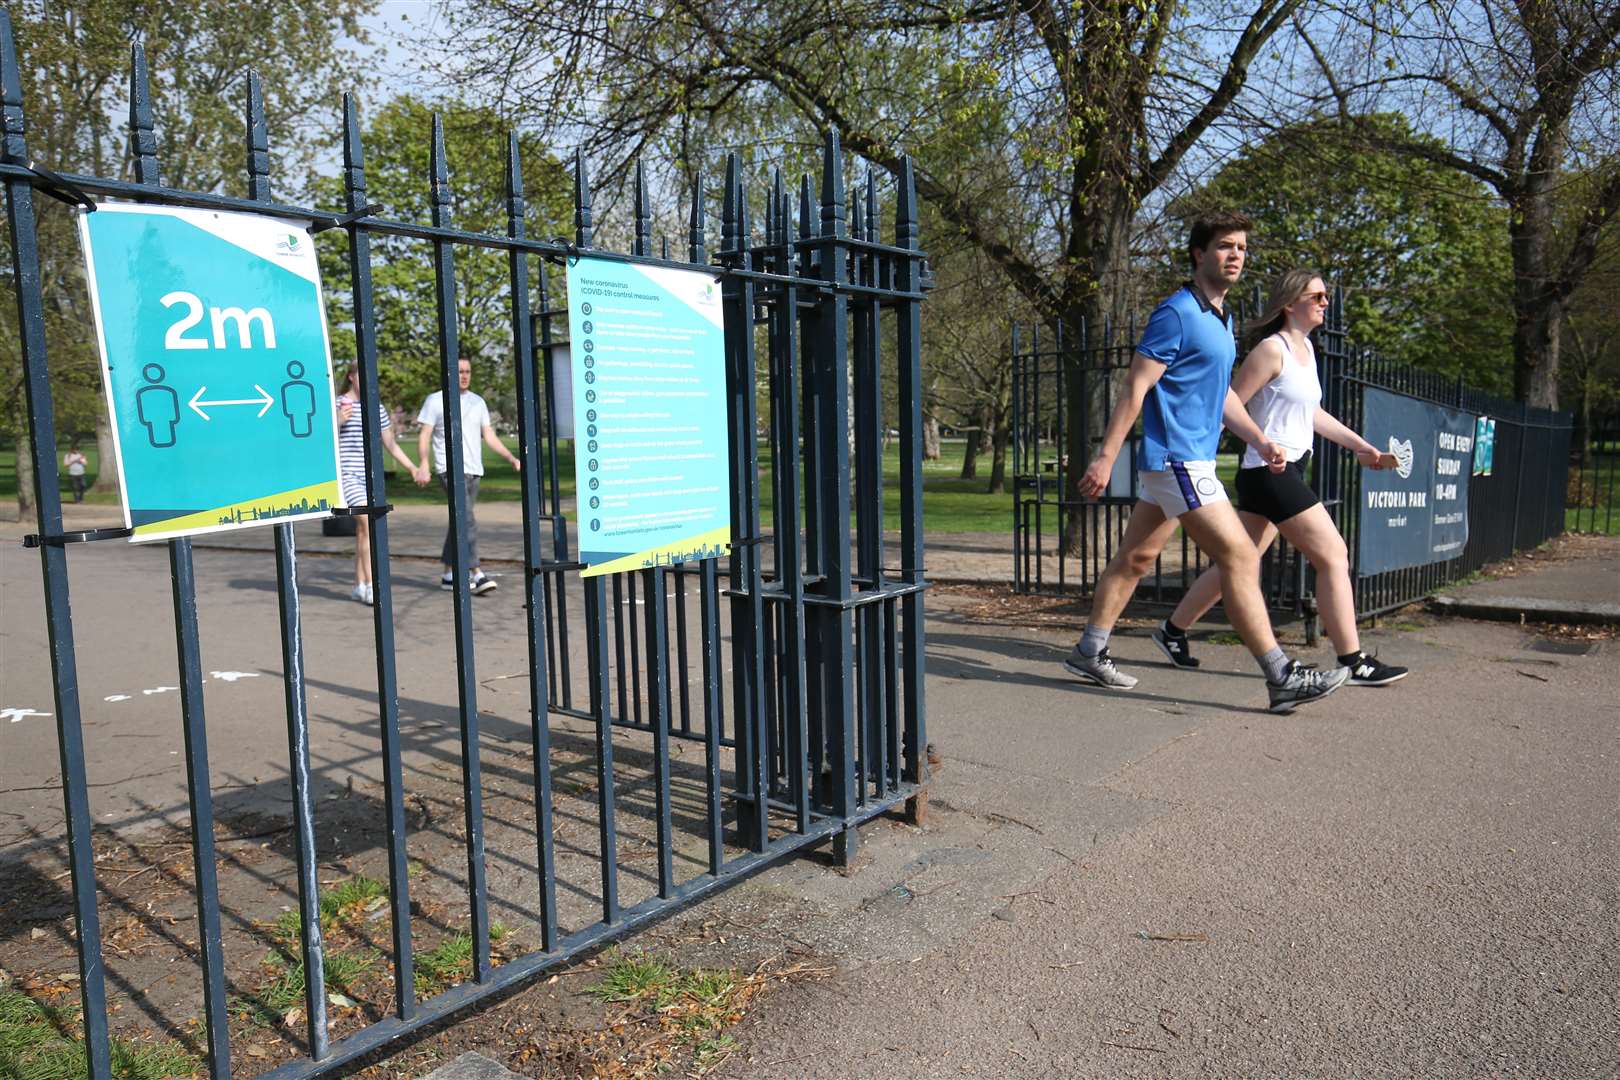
1278,384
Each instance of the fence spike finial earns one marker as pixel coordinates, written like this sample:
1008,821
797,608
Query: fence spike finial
13,132
832,186
905,206
871,205
354,155
142,138
643,241
731,231
784,223
582,201
440,168
696,249
514,168
258,141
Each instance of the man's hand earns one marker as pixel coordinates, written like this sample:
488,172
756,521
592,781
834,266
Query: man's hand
1275,457
1094,481
517,464
421,475
1371,458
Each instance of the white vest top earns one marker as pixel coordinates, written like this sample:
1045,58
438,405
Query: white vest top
1285,408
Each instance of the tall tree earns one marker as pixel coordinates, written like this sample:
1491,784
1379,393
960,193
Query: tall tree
1420,249
397,142
75,56
1038,129
1524,94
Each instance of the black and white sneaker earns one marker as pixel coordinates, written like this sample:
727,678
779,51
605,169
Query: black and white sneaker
482,583
1098,670
1178,649
447,582
1370,671
1302,685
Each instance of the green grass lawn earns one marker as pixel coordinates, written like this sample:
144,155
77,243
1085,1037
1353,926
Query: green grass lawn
950,504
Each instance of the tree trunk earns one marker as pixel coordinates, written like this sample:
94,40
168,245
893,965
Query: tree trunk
106,458
1538,313
27,512
930,437
970,457
1092,308
978,442
998,451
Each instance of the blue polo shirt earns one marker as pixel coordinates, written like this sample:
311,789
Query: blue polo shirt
1181,415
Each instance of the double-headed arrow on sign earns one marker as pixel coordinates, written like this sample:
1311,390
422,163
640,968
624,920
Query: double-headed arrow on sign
264,401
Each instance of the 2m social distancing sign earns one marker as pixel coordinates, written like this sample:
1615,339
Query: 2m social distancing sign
216,365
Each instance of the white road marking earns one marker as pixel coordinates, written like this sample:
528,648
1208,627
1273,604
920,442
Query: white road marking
116,697
232,676
18,715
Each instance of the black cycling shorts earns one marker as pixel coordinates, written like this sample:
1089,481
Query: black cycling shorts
1275,496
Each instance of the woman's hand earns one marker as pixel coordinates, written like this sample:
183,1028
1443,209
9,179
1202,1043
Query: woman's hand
1371,458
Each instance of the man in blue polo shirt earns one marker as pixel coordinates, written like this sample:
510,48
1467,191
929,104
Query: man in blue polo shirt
1179,384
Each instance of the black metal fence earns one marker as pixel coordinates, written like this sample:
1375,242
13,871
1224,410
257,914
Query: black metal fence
822,725
1594,461
1521,504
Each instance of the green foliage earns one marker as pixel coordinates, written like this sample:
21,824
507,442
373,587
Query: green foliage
1420,250
74,57
444,965
343,900
398,147
695,1005
285,990
38,1042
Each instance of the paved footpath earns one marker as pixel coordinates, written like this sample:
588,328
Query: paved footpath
1421,880
1417,881
1414,881
1564,589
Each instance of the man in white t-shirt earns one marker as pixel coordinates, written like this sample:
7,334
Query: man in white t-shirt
476,433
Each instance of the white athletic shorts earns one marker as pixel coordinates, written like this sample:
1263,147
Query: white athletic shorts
1181,486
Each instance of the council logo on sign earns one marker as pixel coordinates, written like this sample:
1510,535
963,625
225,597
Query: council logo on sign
1402,449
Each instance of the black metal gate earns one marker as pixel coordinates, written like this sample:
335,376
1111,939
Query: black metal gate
823,721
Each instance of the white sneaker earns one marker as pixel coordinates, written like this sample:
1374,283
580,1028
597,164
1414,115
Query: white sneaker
1099,670
362,593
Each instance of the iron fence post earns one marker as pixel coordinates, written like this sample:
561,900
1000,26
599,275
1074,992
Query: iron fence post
382,613
53,558
909,350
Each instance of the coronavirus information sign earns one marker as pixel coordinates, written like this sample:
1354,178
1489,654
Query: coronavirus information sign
647,345
216,365
1417,512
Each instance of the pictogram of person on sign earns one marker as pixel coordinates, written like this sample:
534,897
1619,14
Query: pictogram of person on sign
298,402
158,407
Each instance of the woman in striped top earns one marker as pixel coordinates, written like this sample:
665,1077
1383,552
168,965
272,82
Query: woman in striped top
351,436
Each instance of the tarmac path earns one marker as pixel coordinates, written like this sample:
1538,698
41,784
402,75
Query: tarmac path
1422,880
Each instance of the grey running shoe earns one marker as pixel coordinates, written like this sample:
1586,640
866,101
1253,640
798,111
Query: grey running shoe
1303,684
1370,671
1178,649
1098,670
